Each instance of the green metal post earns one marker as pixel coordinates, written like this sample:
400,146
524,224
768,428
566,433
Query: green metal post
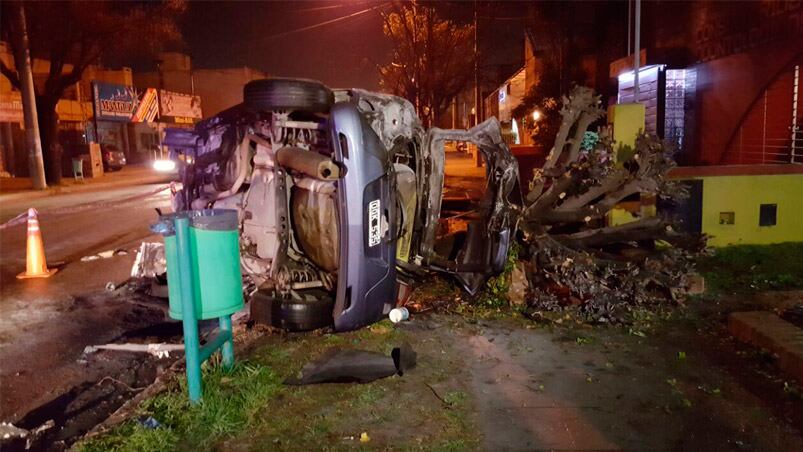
191,342
227,350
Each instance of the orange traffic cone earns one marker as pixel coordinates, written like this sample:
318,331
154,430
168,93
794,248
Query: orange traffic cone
35,265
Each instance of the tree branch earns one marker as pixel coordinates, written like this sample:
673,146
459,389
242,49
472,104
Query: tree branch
647,228
613,181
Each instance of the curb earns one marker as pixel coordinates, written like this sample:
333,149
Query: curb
768,331
69,189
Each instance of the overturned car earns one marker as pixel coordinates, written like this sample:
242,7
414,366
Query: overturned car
339,195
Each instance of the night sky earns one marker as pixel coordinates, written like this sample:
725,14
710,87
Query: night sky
342,54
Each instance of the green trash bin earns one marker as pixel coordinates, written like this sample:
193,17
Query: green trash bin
202,251
215,248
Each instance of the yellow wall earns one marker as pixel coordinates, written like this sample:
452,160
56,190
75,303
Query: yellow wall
627,121
743,195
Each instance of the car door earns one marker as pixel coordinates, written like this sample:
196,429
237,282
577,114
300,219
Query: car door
477,248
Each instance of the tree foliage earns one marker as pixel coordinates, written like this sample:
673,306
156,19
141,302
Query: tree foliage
72,35
433,58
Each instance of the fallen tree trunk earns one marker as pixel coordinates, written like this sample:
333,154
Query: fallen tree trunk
576,257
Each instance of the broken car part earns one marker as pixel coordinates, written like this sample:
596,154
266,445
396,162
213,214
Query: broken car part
355,366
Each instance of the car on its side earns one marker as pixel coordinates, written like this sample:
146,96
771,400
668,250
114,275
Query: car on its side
339,195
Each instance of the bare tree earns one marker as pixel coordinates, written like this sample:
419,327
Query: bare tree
433,58
73,35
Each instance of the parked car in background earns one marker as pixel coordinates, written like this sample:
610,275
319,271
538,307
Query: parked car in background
113,158
339,195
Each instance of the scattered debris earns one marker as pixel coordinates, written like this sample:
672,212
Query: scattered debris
518,285
104,255
150,261
160,350
364,438
355,366
399,315
148,422
8,430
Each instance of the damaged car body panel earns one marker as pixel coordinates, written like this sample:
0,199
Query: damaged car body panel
339,197
482,253
367,274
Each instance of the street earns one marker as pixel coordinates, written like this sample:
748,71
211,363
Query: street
401,225
46,323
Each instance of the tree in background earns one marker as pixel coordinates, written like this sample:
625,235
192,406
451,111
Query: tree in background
573,45
433,58
73,35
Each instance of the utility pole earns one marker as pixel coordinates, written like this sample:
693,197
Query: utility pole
637,52
477,107
22,59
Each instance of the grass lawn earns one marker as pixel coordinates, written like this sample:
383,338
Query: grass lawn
752,268
250,409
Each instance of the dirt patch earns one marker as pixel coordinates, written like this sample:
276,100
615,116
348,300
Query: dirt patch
602,388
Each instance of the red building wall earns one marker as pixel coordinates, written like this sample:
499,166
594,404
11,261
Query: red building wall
728,88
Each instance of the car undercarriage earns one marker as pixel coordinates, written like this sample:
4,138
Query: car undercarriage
339,198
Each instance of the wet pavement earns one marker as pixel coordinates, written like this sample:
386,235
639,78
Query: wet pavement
46,323
603,389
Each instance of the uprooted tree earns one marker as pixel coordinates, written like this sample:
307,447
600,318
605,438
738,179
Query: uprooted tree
575,256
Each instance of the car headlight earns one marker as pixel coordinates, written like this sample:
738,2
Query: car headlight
164,166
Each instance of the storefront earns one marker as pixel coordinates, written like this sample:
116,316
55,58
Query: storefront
122,113
13,160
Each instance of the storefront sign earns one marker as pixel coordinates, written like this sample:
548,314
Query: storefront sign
179,108
114,102
11,107
148,107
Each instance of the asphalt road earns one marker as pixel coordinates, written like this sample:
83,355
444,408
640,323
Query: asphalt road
74,225
45,323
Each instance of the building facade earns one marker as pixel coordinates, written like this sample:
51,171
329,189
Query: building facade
219,88
721,80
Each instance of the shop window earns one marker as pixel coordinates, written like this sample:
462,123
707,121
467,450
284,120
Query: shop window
768,215
727,218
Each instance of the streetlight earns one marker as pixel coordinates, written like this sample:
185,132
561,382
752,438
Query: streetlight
536,115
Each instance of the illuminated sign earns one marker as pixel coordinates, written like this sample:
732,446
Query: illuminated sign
114,102
11,107
179,108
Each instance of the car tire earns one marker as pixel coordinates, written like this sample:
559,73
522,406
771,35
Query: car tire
288,94
292,314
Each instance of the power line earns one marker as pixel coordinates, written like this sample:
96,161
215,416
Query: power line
339,5
501,18
322,24
317,8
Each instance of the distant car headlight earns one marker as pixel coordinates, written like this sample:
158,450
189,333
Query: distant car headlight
164,166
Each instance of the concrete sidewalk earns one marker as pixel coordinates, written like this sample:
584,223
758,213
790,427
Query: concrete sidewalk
129,175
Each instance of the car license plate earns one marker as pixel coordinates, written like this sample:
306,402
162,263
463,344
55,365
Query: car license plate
374,229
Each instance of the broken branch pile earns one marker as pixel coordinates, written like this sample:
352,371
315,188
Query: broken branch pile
577,257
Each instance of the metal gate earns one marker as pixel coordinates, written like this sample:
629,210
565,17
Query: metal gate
772,131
